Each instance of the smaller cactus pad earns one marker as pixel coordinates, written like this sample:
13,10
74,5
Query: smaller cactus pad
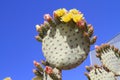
110,57
47,73
98,73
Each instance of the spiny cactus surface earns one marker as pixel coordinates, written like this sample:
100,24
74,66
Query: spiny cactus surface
66,38
110,57
98,73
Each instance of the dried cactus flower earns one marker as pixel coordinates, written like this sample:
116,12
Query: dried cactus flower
66,38
98,73
110,57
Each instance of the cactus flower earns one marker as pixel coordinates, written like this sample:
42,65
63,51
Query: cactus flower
77,17
36,63
60,12
74,11
67,17
48,70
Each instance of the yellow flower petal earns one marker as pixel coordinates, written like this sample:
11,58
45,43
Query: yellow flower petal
60,12
77,17
74,11
66,18
7,78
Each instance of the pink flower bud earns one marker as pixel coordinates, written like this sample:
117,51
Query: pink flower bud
47,17
36,63
48,70
81,23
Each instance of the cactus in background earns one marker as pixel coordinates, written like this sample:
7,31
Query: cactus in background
66,38
99,73
110,58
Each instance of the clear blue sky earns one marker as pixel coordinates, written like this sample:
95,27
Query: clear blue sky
18,18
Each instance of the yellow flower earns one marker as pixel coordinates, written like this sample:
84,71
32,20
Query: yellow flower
67,17
7,78
74,11
60,12
77,17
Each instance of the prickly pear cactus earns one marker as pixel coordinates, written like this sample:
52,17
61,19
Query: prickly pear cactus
66,38
99,73
110,57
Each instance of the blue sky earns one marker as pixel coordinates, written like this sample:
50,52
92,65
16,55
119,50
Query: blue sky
18,18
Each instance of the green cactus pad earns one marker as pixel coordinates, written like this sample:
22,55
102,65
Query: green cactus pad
66,40
98,73
65,48
110,57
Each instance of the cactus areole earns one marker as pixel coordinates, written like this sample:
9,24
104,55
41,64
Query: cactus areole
66,38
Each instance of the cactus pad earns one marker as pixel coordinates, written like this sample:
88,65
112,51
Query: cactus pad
110,57
66,38
98,73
